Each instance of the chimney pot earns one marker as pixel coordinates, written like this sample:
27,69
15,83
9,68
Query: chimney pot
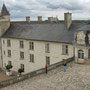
28,18
39,18
52,19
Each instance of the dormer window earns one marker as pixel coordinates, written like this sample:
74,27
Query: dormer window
75,37
81,37
89,38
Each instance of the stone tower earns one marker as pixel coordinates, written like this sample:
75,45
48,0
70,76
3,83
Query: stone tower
4,20
67,20
4,25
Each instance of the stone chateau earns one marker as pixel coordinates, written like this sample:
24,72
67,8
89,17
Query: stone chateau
33,44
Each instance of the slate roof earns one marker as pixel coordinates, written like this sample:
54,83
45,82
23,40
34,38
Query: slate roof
54,32
85,28
4,10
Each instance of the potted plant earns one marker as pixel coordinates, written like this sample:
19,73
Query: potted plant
8,67
20,71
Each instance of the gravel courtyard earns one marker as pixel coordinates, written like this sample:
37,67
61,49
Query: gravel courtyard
77,77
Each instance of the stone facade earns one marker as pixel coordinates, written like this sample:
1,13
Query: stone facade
82,47
55,54
4,25
57,51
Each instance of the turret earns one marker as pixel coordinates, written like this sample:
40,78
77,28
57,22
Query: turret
4,20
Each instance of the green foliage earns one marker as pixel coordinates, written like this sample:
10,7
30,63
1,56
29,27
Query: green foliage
89,22
8,67
20,70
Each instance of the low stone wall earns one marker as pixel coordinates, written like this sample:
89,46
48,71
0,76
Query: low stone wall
34,73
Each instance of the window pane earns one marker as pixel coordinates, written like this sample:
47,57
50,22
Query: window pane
3,42
47,48
31,45
21,55
22,66
65,49
47,60
8,43
21,44
89,54
81,54
32,58
9,63
9,53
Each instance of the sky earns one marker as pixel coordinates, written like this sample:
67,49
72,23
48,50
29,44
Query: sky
19,9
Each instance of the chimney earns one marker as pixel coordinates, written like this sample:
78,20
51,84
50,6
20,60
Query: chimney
39,18
28,19
67,20
50,19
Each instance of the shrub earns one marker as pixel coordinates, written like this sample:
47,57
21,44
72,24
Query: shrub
20,71
8,67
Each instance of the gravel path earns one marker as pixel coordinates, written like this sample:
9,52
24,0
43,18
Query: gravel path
77,77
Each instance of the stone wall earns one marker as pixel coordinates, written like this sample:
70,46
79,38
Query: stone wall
34,73
55,54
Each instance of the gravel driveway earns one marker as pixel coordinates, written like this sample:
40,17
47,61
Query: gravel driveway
77,77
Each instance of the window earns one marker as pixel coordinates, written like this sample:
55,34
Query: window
31,45
8,43
65,49
9,53
22,66
5,64
4,52
9,63
32,58
3,42
21,44
21,55
81,54
47,60
88,53
47,49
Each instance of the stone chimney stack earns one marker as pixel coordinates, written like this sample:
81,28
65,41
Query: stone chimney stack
39,18
28,19
50,19
67,20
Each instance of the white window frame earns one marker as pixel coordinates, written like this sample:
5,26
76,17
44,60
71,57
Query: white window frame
21,44
47,48
9,62
22,66
8,43
21,55
65,49
47,60
9,53
32,58
31,45
88,53
80,54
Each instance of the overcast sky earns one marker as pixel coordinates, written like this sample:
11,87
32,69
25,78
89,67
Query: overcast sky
19,9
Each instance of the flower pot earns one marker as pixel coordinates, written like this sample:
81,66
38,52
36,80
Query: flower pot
8,73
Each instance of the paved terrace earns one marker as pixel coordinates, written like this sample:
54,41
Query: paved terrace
77,77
